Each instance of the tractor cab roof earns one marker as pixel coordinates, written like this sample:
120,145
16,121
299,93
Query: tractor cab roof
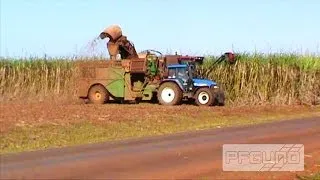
171,66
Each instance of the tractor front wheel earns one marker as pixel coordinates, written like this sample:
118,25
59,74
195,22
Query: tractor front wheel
98,94
169,94
204,97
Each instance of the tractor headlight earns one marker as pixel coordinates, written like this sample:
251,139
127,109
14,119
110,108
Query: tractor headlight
215,87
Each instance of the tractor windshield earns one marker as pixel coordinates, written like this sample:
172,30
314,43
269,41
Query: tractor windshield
179,73
182,73
193,71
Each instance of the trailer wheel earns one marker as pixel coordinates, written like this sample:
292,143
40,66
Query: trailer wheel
98,94
204,97
169,94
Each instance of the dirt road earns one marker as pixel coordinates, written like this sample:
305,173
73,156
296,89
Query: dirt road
186,155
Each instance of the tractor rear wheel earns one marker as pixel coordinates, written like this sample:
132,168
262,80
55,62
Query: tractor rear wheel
204,97
98,94
169,94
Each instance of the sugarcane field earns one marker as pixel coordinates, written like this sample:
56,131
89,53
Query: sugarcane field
149,95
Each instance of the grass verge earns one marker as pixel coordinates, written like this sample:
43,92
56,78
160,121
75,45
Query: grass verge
311,177
59,135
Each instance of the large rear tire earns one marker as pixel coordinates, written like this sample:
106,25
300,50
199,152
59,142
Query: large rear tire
204,97
169,94
98,94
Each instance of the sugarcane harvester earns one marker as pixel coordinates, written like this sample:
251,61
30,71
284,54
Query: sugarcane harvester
145,76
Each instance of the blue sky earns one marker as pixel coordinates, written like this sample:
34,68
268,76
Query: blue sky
67,27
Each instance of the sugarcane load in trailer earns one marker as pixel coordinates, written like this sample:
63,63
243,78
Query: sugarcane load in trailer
146,76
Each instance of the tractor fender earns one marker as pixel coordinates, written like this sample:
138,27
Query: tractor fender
212,89
196,88
176,81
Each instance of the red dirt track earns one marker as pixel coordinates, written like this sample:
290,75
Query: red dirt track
17,114
185,155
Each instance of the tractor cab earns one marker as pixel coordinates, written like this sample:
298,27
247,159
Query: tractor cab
179,71
185,74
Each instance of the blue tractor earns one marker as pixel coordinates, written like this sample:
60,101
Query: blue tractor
181,83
